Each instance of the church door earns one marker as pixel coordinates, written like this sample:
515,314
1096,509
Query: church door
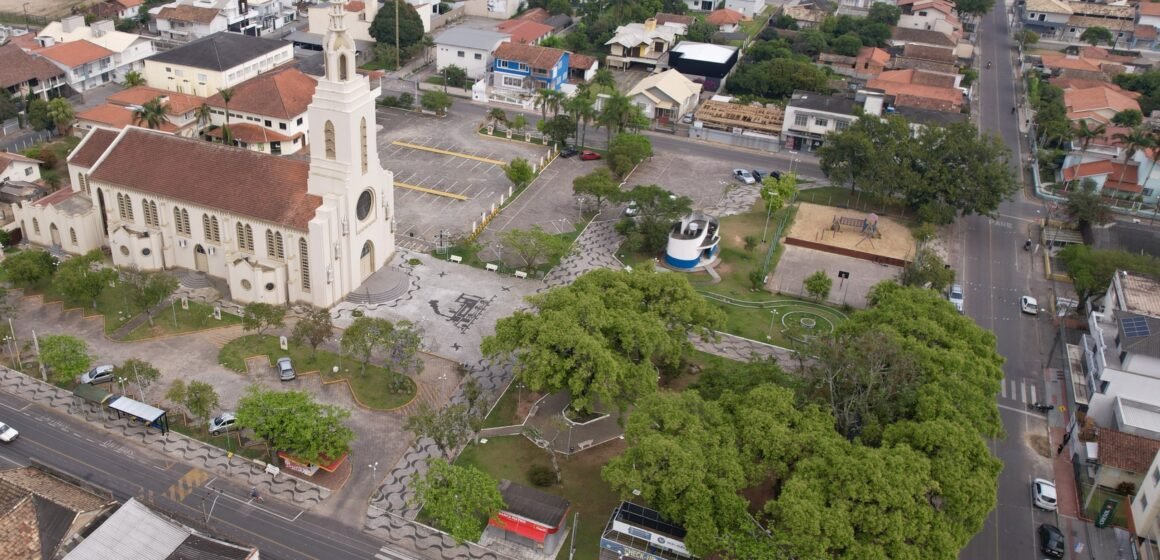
200,260
368,259
55,235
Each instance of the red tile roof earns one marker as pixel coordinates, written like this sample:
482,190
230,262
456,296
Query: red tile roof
75,53
58,196
92,147
178,103
1145,32
281,94
355,6
576,60
537,15
1124,178
188,14
725,16
663,18
8,158
534,56
129,3
261,186
1126,452
1149,8
1088,169
1083,103
1069,62
116,116
908,90
524,31
18,67
250,133
874,54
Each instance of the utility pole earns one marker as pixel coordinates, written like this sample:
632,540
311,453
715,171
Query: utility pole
398,66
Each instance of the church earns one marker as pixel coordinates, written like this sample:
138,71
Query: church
277,230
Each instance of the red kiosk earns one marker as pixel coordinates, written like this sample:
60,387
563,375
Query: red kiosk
532,518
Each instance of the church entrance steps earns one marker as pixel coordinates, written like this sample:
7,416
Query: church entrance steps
384,286
448,152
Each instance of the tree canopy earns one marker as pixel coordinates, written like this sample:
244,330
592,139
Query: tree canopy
459,499
1091,269
410,25
604,336
777,78
294,422
27,268
78,280
66,356
656,211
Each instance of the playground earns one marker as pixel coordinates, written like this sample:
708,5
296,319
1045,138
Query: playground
851,233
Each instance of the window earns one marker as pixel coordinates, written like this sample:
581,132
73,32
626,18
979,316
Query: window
1073,30
841,125
342,77
510,81
268,123
181,221
35,225
299,121
304,264
83,181
328,132
72,235
821,122
801,120
1147,192
149,209
362,139
459,54
362,208
1042,17
922,13
211,228
274,247
179,72
27,171
479,56
282,125
202,78
1156,475
1031,15
125,207
1143,502
246,238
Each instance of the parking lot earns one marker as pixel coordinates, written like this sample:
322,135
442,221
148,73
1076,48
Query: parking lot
704,180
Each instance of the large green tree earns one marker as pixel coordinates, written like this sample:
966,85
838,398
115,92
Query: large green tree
27,268
201,400
148,288
626,151
1086,206
1091,269
260,317
656,211
314,328
138,372
410,25
599,185
973,7
778,78
459,499
66,356
1096,35
294,422
535,246
83,278
604,336
364,336
447,428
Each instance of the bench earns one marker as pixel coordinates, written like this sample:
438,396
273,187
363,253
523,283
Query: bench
521,274
455,259
584,444
491,267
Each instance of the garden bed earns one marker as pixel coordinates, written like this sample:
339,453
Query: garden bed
176,320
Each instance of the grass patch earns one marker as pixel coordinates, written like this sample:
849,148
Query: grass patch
230,441
469,252
511,457
1119,517
516,136
372,389
176,320
841,197
114,303
504,412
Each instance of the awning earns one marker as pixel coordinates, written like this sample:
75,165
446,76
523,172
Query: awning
137,409
92,393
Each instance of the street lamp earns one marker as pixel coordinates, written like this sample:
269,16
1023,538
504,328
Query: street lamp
772,318
374,471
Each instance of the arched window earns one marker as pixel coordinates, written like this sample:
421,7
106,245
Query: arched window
363,141
35,225
181,221
246,237
125,207
279,251
342,75
304,264
72,235
328,131
215,234
205,228
269,243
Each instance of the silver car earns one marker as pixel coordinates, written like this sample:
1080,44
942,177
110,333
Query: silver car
285,369
956,297
744,176
225,422
99,374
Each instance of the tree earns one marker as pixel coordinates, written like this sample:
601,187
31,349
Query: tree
548,100
147,289
810,42
60,112
448,428
497,115
818,285
778,78
775,191
1086,134
1096,35
227,95
1128,118
884,13
38,114
201,400
603,336
313,329
974,8
657,210
599,185
133,79
294,422
459,499
203,115
66,356
153,114
1027,38
630,148
176,394
559,128
1133,140
435,101
138,371
1087,207
29,267
927,271
519,123
260,317
535,246
77,280
618,113
847,45
382,29
1091,269
363,336
455,76
402,345
519,172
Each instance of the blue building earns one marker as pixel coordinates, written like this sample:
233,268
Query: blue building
693,242
529,67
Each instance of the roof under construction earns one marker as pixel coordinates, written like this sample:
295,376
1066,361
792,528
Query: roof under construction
724,115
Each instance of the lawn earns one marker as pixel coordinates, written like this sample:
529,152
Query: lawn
371,388
469,252
841,197
114,303
228,440
176,320
504,413
1119,518
510,458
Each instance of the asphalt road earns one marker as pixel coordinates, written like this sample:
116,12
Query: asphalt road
129,471
995,271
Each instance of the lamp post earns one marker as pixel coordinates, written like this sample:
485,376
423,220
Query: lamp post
772,318
27,25
374,471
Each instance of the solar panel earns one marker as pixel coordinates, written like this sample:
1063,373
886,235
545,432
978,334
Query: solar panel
1135,327
643,517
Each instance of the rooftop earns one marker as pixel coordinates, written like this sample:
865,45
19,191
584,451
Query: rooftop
281,93
250,133
634,34
1048,6
1141,294
189,14
1126,452
525,31
220,51
532,55
99,33
75,53
930,116
177,103
837,104
725,16
671,83
91,147
1082,103
535,505
925,36
8,158
54,489
705,52
17,67
663,18
116,116
135,531
468,38
576,60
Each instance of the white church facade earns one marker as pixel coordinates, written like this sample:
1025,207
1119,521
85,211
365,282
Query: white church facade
275,229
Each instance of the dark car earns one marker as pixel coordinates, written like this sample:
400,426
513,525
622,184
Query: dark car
1051,541
759,175
569,152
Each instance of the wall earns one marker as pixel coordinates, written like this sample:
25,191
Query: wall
1149,491
449,55
764,143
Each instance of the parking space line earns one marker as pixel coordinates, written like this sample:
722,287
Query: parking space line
430,191
447,152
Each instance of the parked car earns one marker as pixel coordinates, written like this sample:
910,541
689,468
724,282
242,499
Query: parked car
1027,304
632,209
589,155
7,433
569,151
1043,494
956,297
687,119
99,374
286,369
744,176
1051,541
224,422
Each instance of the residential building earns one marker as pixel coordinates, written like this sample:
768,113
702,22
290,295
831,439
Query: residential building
248,17
23,74
42,514
1121,352
921,89
750,8
1114,458
582,68
1076,66
357,18
902,36
1097,105
135,531
85,64
642,43
674,20
870,62
703,59
806,16
1067,20
525,31
118,112
15,167
268,113
129,50
528,67
931,15
275,229
185,22
809,116
214,63
469,49
930,58
725,19
1146,508
494,9
124,9
1046,17
666,96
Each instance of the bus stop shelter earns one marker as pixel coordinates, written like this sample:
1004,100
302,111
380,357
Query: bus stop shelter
150,415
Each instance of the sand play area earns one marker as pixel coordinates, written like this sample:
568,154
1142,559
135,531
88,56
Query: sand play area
813,227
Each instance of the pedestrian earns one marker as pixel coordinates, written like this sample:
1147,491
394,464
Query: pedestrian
1012,109
1060,450
254,495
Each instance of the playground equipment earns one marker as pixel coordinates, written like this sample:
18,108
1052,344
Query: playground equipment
867,226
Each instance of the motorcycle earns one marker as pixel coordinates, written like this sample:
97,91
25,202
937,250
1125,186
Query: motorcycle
1042,407
988,65
1027,245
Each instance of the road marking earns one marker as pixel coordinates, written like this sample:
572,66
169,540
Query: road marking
1021,411
186,484
1024,386
447,152
430,191
1003,389
252,503
1033,399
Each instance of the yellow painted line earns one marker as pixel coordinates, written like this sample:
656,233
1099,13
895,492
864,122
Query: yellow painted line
431,191
447,153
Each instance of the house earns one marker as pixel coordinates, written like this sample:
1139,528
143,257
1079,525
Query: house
1118,458
1099,104
1114,179
135,531
43,513
184,22
703,59
806,17
1046,17
249,17
268,113
634,531
1075,66
666,96
129,50
809,116
902,36
1146,510
921,89
870,62
725,19
930,58
931,15
750,8
525,31
277,230
493,9
529,67
213,63
469,49
582,68
533,518
23,74
85,64
357,17
1119,18
15,167
124,9
642,43
117,112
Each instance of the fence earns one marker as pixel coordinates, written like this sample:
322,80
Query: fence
764,143
457,92
22,143
448,18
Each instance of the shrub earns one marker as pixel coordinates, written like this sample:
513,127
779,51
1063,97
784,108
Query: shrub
750,242
541,476
406,100
1126,488
389,101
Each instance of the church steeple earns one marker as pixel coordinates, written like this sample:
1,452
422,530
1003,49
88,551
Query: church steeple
339,50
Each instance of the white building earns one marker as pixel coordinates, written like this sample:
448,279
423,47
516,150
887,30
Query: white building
182,22
668,95
751,8
268,113
469,49
85,65
274,229
186,20
15,167
358,18
1146,507
209,65
129,50
1121,356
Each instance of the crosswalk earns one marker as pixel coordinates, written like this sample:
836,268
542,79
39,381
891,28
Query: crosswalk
1019,391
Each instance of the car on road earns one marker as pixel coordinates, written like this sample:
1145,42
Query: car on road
589,155
1029,305
1051,541
744,175
7,433
286,369
759,175
224,422
1043,494
99,374
569,151
956,297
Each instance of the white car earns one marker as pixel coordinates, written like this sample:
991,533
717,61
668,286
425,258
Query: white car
99,374
744,176
223,423
1043,494
956,297
7,433
1027,304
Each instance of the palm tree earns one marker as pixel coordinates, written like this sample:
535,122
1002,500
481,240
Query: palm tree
152,113
203,114
1085,135
620,113
581,107
497,115
427,42
1154,155
227,94
604,78
61,113
134,78
1133,140
541,101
